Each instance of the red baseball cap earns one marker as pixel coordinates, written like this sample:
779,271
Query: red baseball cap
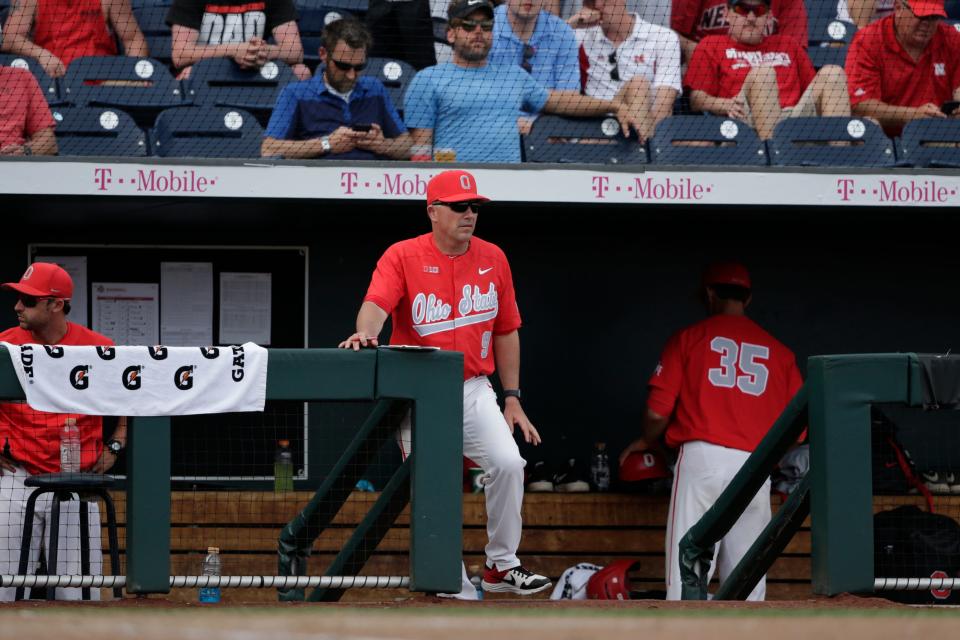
453,186
43,280
732,273
926,8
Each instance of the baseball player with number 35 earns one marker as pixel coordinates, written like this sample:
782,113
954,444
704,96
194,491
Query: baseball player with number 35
452,290
720,385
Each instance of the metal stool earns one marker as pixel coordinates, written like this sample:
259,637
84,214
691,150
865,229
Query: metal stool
63,485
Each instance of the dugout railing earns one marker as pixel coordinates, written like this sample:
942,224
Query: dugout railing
837,493
429,382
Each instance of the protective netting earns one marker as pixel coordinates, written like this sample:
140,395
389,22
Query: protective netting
729,82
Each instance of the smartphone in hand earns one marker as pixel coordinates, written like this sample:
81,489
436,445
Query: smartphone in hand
949,107
363,128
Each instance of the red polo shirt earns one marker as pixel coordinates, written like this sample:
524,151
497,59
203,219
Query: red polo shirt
697,19
879,68
720,65
23,109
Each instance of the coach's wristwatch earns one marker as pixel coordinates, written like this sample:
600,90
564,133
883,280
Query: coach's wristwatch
325,143
114,446
511,393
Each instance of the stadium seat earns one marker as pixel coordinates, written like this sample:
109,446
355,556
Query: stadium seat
153,22
821,56
140,86
581,140
220,82
93,131
706,140
805,142
206,132
311,23
827,30
395,75
356,7
918,136
49,86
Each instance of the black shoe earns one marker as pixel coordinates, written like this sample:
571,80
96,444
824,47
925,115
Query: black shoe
570,480
540,478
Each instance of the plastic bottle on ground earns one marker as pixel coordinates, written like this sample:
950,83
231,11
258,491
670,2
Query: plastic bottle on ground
211,567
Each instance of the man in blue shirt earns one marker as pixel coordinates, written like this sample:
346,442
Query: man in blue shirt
542,44
467,110
338,114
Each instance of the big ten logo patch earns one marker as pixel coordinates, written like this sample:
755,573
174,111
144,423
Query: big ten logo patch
131,378
80,377
183,377
238,357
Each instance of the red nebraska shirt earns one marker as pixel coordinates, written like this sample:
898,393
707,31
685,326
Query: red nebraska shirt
697,19
720,66
23,109
455,303
723,380
34,436
878,68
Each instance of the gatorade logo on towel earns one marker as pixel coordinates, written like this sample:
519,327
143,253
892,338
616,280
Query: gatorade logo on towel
79,377
183,378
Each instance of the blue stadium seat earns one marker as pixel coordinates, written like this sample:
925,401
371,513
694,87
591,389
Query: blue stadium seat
153,22
706,140
140,86
805,142
356,7
49,86
821,56
828,30
206,132
918,135
395,75
581,140
221,82
93,131
311,22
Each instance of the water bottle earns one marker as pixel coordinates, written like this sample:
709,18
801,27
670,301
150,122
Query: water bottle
283,468
70,446
600,467
211,567
476,580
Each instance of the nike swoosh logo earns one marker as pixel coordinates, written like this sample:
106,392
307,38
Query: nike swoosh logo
483,271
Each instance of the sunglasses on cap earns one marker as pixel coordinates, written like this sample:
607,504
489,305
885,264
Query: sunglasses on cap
471,25
742,9
30,301
346,66
461,207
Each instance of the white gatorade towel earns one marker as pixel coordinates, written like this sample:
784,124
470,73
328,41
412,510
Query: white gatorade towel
141,381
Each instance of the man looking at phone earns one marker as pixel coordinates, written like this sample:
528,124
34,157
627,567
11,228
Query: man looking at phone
905,66
338,114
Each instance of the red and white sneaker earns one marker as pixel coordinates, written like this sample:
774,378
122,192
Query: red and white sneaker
515,580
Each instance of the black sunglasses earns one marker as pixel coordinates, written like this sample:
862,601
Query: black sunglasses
528,53
615,72
461,207
346,66
471,25
30,301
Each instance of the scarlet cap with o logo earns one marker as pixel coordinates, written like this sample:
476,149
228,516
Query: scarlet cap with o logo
643,465
732,273
611,582
926,8
453,186
43,280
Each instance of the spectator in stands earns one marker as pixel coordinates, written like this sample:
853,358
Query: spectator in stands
539,42
235,29
324,117
863,12
31,437
761,79
906,66
694,20
402,30
63,31
26,126
467,110
628,57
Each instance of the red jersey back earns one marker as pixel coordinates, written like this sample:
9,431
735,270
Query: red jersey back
456,303
34,436
73,29
723,380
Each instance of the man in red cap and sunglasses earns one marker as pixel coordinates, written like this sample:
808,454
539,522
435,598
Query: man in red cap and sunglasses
30,439
452,290
718,388
906,66
761,78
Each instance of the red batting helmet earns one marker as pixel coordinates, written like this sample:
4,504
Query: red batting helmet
643,465
611,582
732,273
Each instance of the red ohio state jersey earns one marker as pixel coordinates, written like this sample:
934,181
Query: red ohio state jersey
456,303
34,436
723,380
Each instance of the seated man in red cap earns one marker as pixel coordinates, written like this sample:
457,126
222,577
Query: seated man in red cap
31,439
718,388
452,290
905,66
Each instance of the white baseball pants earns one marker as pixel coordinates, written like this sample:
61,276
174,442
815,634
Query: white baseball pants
13,507
488,441
703,471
